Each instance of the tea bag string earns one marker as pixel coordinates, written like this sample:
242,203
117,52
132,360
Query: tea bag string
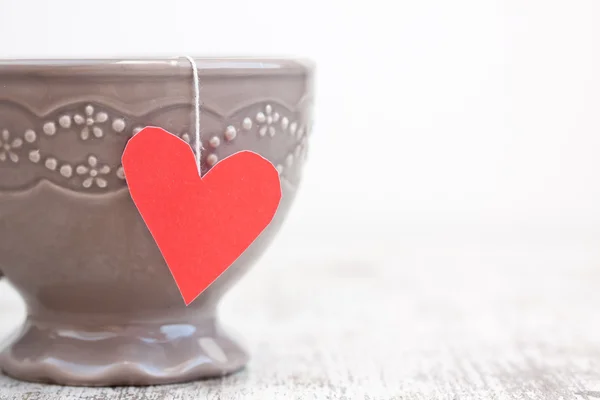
198,143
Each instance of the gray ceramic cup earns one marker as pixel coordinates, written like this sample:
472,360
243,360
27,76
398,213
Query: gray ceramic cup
102,306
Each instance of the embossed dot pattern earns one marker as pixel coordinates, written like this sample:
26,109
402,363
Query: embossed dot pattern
93,122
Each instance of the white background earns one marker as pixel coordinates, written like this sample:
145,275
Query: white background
432,116
468,114
436,120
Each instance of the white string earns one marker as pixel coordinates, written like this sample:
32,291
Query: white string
198,143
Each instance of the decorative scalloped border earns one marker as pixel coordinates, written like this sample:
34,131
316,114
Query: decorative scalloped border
95,122
162,104
43,183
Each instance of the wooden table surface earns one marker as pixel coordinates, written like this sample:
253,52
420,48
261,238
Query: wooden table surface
400,316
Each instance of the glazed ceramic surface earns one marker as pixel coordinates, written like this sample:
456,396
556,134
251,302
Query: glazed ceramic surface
103,308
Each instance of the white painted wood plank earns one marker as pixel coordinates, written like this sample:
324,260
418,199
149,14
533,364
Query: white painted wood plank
405,320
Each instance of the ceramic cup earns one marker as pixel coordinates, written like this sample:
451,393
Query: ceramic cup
102,306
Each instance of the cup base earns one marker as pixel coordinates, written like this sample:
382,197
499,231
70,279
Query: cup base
142,353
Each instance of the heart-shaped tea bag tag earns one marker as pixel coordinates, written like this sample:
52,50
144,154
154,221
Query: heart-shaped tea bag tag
200,224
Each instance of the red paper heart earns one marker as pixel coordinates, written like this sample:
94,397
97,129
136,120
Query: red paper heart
201,225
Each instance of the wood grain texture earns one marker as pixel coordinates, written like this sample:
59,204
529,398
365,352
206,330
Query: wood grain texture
406,318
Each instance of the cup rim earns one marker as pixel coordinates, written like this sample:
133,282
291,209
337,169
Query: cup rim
176,66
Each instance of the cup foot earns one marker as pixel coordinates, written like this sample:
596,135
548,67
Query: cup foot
112,355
